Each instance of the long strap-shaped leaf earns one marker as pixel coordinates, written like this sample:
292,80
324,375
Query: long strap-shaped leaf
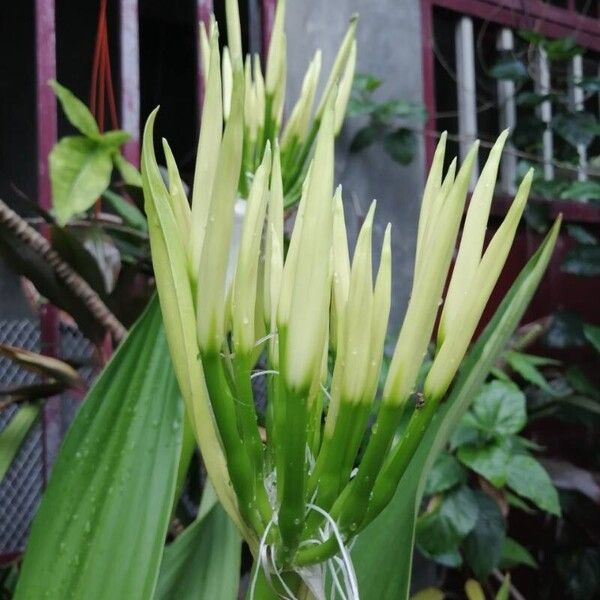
204,561
100,528
386,575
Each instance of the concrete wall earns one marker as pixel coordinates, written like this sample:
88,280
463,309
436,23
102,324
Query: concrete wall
389,47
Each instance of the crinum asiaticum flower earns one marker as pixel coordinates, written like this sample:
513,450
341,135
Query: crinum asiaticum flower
315,318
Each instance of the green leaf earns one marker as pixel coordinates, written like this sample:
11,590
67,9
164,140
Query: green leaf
582,235
80,171
386,576
589,84
364,138
565,330
529,479
511,68
445,474
504,591
130,175
441,530
531,99
13,435
577,129
583,261
580,383
359,106
204,561
365,82
76,111
100,528
490,461
483,546
526,367
73,252
400,145
582,190
592,334
562,48
499,408
130,213
513,554
114,139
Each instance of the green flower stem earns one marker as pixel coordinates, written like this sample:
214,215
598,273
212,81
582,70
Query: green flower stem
238,459
326,476
247,419
385,486
355,438
398,461
268,133
315,421
355,507
291,512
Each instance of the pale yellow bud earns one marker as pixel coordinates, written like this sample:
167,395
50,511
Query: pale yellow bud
345,89
227,83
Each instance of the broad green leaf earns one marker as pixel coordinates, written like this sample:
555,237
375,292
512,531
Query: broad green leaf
76,111
130,175
386,576
130,213
581,234
529,479
514,554
442,529
445,474
365,82
400,145
499,408
483,546
489,461
204,561
80,171
100,528
580,383
565,330
510,68
583,261
578,129
582,190
364,138
115,138
13,435
527,369
592,334
561,48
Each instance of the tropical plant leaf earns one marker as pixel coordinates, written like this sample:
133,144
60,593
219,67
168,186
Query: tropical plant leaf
483,546
400,145
13,435
100,528
204,561
445,474
529,479
499,408
386,576
490,461
592,334
80,170
514,554
76,111
130,213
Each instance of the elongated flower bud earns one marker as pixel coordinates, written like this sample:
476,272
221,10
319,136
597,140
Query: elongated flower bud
227,83
274,244
234,34
179,201
341,271
297,125
427,290
339,65
246,276
276,57
259,91
345,89
471,244
357,321
381,313
205,50
208,151
311,292
215,251
460,330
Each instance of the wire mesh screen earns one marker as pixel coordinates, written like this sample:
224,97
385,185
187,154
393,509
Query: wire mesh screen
21,488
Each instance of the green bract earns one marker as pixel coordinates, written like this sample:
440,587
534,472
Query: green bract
281,475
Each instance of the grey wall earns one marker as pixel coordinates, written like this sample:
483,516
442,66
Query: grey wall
389,47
